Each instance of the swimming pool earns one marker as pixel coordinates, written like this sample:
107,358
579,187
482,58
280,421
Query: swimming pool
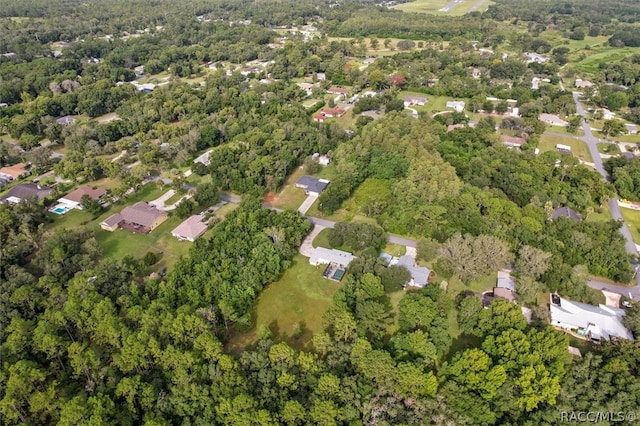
60,209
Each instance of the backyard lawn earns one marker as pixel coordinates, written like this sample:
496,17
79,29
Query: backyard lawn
578,147
290,197
632,218
300,297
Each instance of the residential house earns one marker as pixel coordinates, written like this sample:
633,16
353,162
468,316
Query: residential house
553,120
190,229
536,80
505,286
307,87
581,84
25,190
333,112
567,212
73,199
631,129
452,127
16,171
369,94
563,149
339,92
597,323
139,70
204,158
475,73
321,76
319,117
457,106
325,256
419,274
139,217
312,185
252,70
67,120
373,114
414,100
513,141
607,115
534,57
369,61
323,160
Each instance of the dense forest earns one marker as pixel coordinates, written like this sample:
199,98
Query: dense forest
88,338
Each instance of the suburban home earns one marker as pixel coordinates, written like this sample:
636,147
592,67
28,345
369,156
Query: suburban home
312,185
563,149
452,127
505,286
67,120
190,229
333,112
25,190
534,57
369,94
252,70
341,93
475,73
204,158
323,160
419,274
566,212
596,323
321,76
607,115
14,172
140,217
73,199
581,84
414,100
369,61
631,129
553,120
324,256
513,141
307,87
139,70
319,117
536,80
373,114
457,106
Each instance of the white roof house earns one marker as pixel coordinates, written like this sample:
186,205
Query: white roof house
581,84
600,322
458,106
552,119
324,256
204,158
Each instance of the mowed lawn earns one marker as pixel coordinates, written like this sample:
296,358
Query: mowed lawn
578,148
606,54
301,296
121,243
434,6
632,218
290,197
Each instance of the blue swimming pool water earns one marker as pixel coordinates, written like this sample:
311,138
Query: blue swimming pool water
60,210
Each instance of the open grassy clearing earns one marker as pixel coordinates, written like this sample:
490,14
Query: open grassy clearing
290,197
619,138
563,130
578,148
300,297
591,63
632,219
322,239
434,6
601,215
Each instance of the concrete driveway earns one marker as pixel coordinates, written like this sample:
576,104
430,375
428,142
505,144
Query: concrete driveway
307,203
306,248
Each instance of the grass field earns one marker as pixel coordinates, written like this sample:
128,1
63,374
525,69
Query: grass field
434,103
290,197
632,218
579,148
301,296
121,243
608,148
434,6
604,215
607,54
322,239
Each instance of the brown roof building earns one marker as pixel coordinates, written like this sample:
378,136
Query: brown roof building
15,172
74,198
190,229
139,217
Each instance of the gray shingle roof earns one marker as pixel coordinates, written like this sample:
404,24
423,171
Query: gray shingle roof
419,274
566,212
25,190
312,184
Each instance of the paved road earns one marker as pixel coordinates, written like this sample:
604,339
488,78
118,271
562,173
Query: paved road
450,6
327,223
614,207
